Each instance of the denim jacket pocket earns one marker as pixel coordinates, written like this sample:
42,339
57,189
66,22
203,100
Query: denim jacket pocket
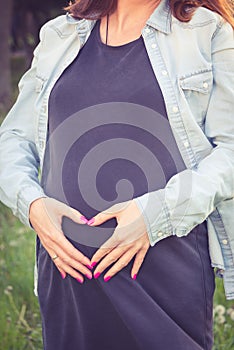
196,89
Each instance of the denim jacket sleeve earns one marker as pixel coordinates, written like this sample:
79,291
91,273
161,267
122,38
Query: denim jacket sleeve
19,160
193,194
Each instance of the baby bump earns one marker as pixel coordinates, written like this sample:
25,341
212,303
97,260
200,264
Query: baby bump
108,162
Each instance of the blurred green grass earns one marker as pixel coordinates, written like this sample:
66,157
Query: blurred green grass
20,327
20,324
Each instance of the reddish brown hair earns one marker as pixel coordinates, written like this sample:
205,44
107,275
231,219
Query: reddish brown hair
183,10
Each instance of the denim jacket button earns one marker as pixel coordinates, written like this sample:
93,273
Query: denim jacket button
147,30
225,241
186,144
160,234
164,72
205,85
153,46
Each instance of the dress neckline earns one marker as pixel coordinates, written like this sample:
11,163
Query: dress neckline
111,47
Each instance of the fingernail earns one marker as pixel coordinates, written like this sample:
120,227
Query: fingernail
79,280
90,266
97,275
63,275
91,221
88,276
94,264
83,218
107,278
134,276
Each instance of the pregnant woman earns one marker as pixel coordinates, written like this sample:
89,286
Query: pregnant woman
126,110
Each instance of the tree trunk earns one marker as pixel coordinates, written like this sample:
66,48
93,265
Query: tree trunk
5,68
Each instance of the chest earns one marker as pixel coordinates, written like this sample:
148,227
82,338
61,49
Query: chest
184,85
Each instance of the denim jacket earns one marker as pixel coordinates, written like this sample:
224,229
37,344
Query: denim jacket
194,66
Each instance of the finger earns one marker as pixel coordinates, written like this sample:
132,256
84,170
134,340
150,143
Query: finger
99,254
65,246
140,256
53,255
100,219
53,235
59,245
109,259
64,265
108,214
62,273
122,262
61,265
75,215
69,261
104,249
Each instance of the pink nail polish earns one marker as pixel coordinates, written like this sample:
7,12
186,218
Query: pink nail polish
62,275
90,266
107,278
94,264
83,218
134,276
97,275
88,276
79,280
91,221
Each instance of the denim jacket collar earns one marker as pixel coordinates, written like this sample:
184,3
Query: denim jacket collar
160,19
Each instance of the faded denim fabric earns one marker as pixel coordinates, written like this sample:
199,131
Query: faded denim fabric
194,66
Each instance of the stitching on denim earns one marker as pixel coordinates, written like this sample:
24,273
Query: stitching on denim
194,26
195,73
62,35
181,119
221,221
168,218
219,26
40,77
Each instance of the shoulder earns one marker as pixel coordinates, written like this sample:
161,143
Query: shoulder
209,30
204,18
63,26
60,38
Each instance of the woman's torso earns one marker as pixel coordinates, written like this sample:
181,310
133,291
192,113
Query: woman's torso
123,145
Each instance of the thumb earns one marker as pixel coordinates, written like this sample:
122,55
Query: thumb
100,218
112,212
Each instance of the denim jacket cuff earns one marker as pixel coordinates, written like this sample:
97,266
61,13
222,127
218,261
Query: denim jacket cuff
26,196
156,215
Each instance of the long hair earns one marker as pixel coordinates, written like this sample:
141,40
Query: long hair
183,10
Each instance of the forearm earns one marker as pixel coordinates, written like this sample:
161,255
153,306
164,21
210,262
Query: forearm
189,197
19,184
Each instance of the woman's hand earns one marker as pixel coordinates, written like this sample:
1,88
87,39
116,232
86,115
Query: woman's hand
46,218
129,239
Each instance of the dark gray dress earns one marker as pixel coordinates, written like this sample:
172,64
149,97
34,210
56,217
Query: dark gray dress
109,141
